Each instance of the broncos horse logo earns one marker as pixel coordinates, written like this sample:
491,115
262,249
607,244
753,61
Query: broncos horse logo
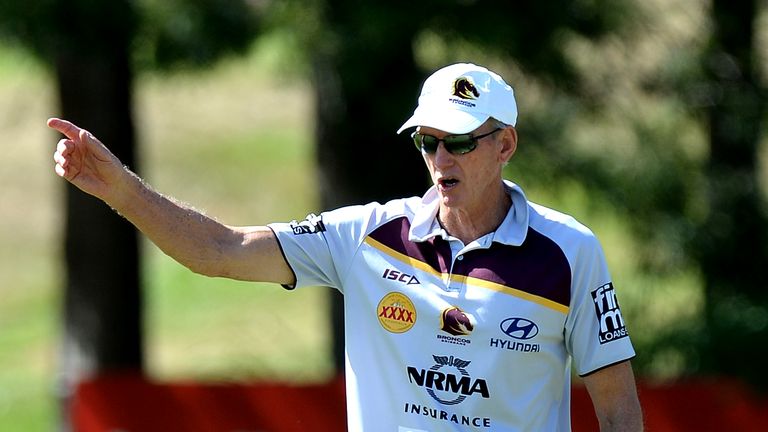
454,321
464,89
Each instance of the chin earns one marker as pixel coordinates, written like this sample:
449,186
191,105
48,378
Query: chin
448,200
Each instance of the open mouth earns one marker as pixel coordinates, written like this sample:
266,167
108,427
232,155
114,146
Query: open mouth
447,183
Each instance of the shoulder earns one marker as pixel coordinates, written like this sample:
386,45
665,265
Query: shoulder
374,211
562,228
557,226
547,218
358,221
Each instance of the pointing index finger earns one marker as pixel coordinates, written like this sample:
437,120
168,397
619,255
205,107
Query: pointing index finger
67,128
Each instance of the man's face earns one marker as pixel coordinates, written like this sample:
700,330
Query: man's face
467,181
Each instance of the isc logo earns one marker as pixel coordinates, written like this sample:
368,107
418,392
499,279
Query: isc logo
395,275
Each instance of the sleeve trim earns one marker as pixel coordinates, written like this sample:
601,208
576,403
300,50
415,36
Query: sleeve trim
288,287
606,366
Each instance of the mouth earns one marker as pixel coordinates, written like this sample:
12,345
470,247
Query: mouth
446,183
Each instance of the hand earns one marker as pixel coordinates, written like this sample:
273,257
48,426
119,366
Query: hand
84,161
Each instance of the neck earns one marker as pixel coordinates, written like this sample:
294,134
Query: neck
468,225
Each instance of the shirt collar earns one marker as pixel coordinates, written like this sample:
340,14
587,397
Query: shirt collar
512,230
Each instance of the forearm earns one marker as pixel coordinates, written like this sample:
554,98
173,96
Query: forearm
183,233
629,421
614,396
201,243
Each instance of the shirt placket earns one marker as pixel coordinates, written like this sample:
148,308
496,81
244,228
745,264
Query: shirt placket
459,259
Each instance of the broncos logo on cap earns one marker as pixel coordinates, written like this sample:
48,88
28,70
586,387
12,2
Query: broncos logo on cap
464,89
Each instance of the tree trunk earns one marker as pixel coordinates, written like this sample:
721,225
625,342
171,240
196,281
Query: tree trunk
365,90
733,242
102,310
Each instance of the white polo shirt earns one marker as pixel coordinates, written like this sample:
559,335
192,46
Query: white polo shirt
442,336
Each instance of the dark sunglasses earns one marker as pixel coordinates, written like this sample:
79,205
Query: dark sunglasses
454,144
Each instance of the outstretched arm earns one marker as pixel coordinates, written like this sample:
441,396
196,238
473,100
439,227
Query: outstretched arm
200,243
614,396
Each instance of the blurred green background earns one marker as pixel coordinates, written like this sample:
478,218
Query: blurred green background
205,142
620,140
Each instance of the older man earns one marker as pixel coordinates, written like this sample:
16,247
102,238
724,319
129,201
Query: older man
465,308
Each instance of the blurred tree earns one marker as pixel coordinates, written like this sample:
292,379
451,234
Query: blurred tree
731,242
87,44
102,299
688,207
704,211
366,78
90,44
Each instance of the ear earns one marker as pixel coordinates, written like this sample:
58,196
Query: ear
508,144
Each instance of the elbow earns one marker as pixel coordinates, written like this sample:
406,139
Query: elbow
214,260
202,267
629,420
624,425
205,270
208,262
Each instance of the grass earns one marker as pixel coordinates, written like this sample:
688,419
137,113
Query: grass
29,268
236,144
244,156
234,141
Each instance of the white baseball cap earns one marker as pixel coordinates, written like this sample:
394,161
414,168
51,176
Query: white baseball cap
458,98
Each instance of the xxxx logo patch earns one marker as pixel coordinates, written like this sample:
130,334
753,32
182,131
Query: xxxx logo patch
396,312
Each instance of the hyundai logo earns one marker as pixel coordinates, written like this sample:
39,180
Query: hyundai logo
519,328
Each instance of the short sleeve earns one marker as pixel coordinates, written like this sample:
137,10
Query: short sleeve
319,248
595,334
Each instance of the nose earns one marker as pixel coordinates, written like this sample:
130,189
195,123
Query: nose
442,157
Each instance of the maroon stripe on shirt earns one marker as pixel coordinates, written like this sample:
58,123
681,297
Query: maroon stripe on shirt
435,252
538,266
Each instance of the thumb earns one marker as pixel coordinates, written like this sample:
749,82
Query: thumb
87,137
96,146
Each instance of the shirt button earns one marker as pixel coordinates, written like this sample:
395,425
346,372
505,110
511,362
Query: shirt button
460,257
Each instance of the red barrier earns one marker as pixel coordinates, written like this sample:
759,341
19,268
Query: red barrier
131,403
705,405
698,405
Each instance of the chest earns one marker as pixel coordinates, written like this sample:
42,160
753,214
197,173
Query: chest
479,298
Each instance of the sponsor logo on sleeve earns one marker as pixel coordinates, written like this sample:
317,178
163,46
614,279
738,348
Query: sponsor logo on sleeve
608,314
313,224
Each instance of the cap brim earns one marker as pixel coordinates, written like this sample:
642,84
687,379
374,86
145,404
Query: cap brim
451,121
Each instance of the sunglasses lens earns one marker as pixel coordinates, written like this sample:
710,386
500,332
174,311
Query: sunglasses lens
454,144
427,143
460,144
